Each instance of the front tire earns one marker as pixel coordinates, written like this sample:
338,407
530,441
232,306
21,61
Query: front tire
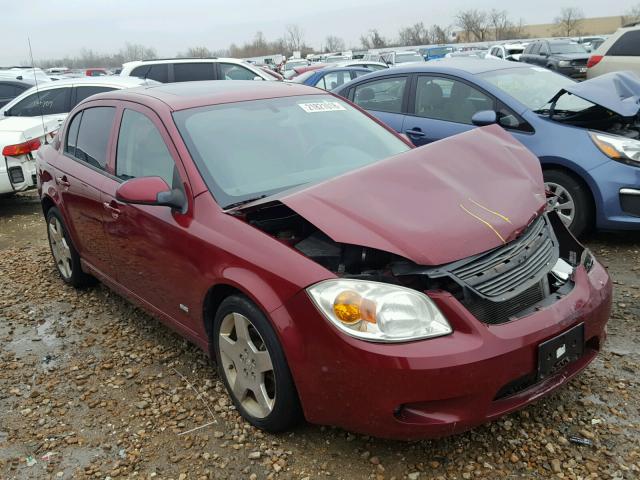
569,200
65,256
253,367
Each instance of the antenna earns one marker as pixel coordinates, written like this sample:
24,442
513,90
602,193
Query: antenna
35,79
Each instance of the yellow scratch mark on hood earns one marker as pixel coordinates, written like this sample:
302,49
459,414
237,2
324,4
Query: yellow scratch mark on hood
485,222
497,214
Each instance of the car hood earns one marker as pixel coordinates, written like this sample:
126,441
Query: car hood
616,91
432,205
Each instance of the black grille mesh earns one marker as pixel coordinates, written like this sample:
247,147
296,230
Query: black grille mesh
503,273
495,313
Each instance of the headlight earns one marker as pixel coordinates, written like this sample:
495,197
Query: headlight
378,312
618,148
564,63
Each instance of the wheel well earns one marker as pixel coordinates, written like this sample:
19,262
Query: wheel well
215,296
577,178
47,203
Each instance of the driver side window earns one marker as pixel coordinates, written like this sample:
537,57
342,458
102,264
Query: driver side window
141,151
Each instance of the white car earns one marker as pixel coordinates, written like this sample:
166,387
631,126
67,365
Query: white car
193,69
25,74
508,51
32,119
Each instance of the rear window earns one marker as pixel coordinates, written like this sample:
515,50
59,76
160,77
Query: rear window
86,92
628,45
191,72
158,72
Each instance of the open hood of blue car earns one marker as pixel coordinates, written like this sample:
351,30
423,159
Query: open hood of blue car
617,91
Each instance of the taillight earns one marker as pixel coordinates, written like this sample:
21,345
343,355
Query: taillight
593,60
21,148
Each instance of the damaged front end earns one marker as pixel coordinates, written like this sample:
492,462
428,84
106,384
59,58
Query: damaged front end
501,285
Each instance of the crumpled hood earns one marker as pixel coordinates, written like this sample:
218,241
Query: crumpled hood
616,91
435,204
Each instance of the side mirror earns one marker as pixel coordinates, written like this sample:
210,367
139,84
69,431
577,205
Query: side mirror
484,118
151,191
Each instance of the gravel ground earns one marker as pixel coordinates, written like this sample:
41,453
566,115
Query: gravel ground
91,387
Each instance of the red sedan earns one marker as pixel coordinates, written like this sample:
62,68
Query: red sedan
333,272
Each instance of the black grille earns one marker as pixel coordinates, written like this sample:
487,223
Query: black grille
503,273
495,313
581,62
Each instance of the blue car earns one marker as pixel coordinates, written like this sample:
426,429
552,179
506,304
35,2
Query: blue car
330,77
586,135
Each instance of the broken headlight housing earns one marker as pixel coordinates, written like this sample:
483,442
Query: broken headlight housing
618,148
378,312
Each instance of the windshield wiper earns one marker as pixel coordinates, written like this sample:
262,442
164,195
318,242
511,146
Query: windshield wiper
244,202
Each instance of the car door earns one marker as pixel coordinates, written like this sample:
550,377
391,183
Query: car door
384,97
442,106
150,243
80,174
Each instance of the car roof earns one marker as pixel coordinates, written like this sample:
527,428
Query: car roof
357,68
109,80
472,65
183,95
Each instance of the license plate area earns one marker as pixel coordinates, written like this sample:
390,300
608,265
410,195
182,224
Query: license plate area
559,351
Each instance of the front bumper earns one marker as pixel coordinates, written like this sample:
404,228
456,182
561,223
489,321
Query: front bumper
17,173
618,187
440,386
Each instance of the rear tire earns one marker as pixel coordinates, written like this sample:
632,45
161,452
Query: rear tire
65,255
252,366
571,201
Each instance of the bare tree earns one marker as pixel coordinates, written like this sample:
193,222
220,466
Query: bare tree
373,39
568,23
135,51
632,15
415,34
196,52
294,36
333,44
475,24
500,23
438,34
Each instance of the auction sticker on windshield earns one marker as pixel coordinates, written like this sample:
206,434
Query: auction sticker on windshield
321,107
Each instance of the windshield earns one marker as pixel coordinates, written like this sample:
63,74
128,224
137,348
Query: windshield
247,150
535,87
515,50
559,48
409,57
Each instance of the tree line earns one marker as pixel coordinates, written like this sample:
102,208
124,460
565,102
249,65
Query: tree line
472,25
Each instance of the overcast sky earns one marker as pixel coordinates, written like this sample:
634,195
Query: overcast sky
64,27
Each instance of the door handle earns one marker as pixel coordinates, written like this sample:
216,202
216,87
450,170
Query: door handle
415,132
115,211
63,181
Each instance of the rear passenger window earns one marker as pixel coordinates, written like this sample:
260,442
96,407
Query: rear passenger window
235,72
93,135
333,80
7,91
142,151
46,102
383,95
190,72
86,92
628,45
158,72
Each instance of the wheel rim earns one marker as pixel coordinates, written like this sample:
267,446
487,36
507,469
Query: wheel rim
60,248
560,201
247,365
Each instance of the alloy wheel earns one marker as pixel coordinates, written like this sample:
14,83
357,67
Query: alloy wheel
247,365
60,248
560,201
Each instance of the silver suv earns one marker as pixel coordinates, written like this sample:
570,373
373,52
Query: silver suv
621,51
